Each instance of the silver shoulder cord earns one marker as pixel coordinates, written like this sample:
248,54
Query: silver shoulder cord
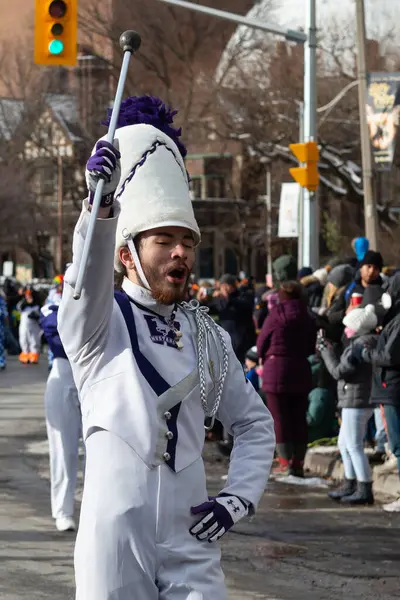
207,333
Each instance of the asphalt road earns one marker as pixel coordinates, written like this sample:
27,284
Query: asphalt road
299,546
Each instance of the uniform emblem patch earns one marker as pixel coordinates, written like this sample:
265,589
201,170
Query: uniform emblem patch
160,332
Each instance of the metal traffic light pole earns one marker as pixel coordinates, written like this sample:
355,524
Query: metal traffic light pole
290,34
370,214
309,226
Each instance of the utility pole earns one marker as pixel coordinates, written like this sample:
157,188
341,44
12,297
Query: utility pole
300,242
370,215
268,202
60,214
310,229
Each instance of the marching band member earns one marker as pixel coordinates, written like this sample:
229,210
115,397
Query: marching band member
29,328
63,424
54,297
148,369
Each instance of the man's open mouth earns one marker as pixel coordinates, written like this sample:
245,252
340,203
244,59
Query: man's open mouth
177,275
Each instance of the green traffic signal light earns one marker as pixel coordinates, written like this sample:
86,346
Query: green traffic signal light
56,47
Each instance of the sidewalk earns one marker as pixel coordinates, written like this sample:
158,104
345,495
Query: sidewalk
325,461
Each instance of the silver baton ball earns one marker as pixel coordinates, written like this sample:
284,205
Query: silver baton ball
130,42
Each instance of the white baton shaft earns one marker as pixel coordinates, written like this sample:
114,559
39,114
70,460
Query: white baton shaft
130,42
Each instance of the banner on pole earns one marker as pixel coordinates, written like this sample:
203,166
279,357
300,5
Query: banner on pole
383,110
289,211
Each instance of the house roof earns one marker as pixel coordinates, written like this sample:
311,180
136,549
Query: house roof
63,106
11,112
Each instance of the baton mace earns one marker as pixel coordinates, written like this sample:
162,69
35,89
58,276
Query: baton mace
129,42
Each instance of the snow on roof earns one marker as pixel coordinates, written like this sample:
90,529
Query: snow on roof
63,106
11,112
65,110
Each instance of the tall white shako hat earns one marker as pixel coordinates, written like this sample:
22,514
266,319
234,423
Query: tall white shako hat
153,190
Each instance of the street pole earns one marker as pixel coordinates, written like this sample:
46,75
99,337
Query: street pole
268,200
310,237
301,198
60,214
370,215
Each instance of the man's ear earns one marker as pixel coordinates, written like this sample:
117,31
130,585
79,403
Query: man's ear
125,257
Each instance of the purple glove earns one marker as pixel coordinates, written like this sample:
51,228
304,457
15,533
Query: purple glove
222,513
104,164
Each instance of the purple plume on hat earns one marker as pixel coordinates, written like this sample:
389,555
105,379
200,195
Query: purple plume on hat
148,110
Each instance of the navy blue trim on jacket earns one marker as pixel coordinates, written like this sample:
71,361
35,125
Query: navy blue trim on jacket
48,322
152,376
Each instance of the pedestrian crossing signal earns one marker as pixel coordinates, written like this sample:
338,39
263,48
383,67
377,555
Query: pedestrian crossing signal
56,30
307,176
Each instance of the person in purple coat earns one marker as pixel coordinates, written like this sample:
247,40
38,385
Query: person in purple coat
287,338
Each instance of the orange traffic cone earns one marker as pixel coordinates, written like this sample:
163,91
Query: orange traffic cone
24,358
34,358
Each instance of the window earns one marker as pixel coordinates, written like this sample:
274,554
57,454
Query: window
215,186
195,188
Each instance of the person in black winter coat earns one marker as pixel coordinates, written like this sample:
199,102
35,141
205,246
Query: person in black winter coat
367,278
354,387
385,360
234,310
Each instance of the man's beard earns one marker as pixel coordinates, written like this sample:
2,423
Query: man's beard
162,290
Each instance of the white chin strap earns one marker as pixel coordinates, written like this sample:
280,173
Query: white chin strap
136,260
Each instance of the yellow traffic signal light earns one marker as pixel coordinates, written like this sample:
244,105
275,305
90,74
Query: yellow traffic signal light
56,30
308,154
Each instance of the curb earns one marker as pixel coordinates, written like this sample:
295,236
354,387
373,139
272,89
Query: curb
326,463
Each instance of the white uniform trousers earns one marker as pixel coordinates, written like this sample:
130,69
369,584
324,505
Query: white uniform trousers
29,334
133,541
64,425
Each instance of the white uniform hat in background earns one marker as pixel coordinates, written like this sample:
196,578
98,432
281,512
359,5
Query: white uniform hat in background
154,188
361,320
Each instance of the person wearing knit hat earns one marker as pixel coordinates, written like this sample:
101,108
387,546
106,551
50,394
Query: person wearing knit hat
360,246
251,363
313,288
333,306
304,272
284,268
322,276
354,387
367,277
150,371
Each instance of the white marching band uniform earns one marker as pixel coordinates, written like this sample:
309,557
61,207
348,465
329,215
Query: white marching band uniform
63,424
141,401
29,330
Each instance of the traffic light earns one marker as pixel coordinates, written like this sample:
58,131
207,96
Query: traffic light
56,30
308,154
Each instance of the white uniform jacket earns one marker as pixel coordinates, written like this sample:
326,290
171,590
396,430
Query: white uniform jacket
135,383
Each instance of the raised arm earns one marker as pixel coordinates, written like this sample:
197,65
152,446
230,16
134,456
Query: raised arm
83,323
